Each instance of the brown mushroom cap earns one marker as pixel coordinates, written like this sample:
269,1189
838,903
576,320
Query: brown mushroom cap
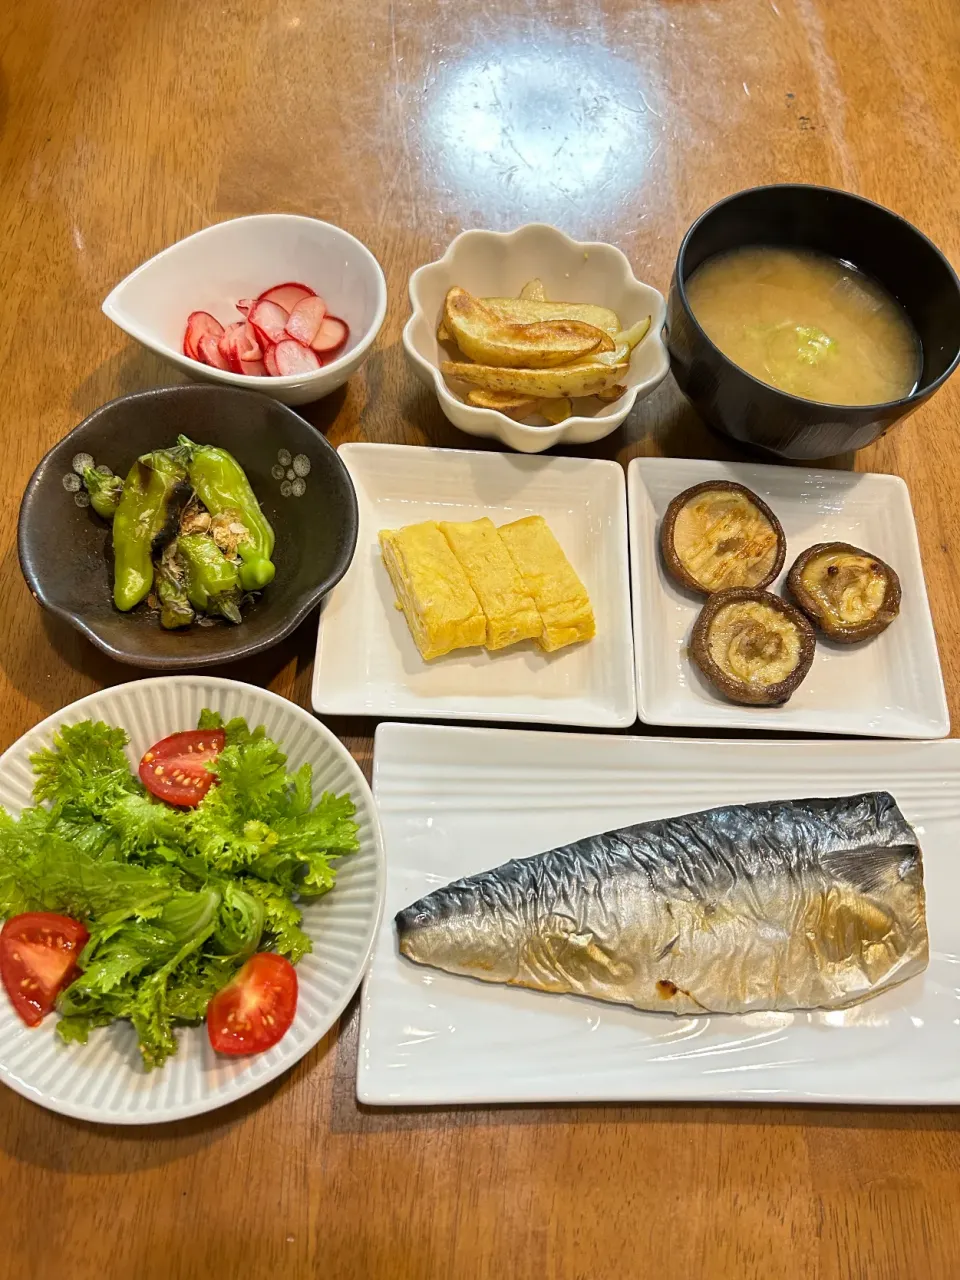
740,689
668,528
830,620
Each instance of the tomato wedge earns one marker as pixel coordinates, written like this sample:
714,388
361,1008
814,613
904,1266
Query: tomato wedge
254,1011
175,769
38,958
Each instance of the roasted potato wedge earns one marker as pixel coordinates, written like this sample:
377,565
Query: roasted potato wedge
530,311
556,411
609,394
485,337
584,378
519,407
507,402
533,291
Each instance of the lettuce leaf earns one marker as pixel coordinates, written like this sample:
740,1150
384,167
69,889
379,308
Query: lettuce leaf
85,771
40,871
282,919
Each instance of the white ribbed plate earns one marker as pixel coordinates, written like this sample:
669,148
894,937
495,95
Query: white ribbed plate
454,801
104,1080
888,687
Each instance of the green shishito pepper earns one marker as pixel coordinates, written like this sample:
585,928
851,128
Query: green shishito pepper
212,581
140,516
221,485
104,489
175,610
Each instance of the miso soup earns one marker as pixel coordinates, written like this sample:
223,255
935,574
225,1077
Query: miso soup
807,324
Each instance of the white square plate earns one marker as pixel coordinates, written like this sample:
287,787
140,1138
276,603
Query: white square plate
454,801
888,687
367,662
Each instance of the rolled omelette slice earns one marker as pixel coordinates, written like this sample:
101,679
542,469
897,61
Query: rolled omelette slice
509,608
548,575
438,602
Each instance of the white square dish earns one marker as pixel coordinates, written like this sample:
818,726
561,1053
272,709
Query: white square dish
367,662
454,801
889,687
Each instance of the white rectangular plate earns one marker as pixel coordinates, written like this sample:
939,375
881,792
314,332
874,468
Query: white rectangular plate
455,801
888,687
367,662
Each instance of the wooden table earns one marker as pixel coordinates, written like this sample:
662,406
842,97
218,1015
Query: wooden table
128,126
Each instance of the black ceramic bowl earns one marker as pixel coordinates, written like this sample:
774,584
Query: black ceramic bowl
877,241
65,549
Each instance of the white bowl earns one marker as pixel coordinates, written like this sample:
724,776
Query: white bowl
498,264
211,270
104,1080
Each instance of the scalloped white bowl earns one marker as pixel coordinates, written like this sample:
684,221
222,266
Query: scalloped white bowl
212,269
104,1080
498,264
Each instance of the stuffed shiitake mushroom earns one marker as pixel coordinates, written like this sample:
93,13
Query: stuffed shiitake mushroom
752,646
850,594
719,535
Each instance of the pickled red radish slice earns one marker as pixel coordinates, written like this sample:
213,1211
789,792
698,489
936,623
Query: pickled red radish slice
269,320
248,348
292,357
229,344
331,335
280,334
306,318
210,353
286,295
199,325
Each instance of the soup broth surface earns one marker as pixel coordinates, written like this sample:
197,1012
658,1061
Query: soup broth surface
807,324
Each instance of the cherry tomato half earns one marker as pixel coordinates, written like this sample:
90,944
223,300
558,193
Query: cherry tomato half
175,768
38,958
254,1011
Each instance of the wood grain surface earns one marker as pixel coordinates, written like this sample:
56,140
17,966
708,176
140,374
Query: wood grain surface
125,127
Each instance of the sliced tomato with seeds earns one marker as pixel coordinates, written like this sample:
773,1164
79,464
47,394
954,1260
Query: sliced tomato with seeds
254,1011
38,958
175,768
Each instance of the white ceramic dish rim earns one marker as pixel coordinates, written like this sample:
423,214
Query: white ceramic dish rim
370,1090
492,417
242,1088
739,719
489,716
290,380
